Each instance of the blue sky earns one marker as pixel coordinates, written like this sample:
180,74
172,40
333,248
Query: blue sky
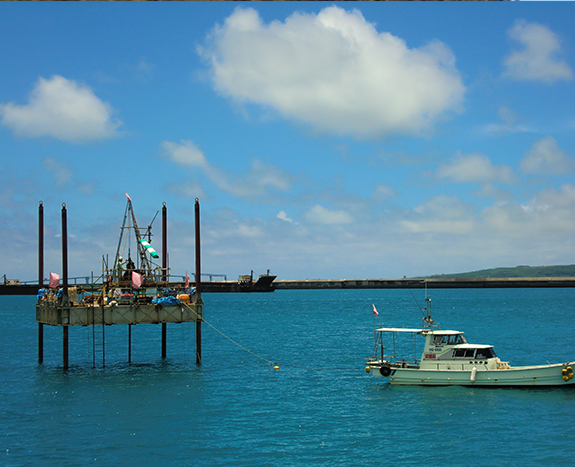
324,140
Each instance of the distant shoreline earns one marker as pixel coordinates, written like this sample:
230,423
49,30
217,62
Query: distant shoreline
432,283
417,283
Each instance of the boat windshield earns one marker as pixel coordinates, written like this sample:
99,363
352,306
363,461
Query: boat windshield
485,353
449,339
474,353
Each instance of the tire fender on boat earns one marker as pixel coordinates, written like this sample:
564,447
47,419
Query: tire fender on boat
473,374
385,370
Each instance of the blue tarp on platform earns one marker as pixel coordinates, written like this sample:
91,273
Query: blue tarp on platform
167,301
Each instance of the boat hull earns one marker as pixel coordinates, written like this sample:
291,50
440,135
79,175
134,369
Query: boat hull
543,375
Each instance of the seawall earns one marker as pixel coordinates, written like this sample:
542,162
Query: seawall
295,284
435,283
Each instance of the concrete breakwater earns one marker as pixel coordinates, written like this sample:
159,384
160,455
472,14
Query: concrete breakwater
295,284
432,283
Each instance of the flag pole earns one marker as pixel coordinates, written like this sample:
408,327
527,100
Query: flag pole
375,313
374,333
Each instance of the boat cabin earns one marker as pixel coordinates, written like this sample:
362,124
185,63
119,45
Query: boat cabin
441,349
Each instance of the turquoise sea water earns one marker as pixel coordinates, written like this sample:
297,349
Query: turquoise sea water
319,408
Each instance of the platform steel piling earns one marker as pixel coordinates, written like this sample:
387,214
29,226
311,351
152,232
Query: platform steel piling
40,276
129,343
198,299
64,255
65,281
164,338
164,270
65,346
40,245
40,343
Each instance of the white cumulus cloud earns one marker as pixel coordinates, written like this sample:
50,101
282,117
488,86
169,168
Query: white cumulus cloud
334,71
61,109
475,168
383,192
283,216
509,123
441,214
550,214
547,158
185,153
260,180
320,215
539,58
62,174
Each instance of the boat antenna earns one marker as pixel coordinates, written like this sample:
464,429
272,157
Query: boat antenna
427,319
417,303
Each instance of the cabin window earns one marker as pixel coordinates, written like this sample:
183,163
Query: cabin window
450,339
479,354
485,353
455,339
439,340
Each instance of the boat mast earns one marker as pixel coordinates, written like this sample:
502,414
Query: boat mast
428,321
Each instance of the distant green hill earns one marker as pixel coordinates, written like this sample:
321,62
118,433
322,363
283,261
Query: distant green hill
518,271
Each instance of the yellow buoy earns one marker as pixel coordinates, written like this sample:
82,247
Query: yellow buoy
367,369
565,378
276,367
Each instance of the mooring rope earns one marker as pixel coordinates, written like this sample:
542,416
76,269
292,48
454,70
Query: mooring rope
270,362
229,338
240,346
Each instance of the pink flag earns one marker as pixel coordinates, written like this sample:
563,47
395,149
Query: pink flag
187,281
137,280
54,280
375,311
128,196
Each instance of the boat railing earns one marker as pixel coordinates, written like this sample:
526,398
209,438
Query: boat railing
379,350
502,365
396,360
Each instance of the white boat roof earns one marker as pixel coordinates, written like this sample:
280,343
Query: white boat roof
438,332
398,330
474,346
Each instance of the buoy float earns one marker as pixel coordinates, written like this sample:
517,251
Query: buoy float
385,370
367,369
473,375
276,367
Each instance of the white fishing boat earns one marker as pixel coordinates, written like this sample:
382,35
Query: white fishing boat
448,359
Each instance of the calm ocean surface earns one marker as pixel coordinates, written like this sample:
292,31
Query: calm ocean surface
320,408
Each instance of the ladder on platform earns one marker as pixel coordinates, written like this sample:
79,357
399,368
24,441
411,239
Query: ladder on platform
98,338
